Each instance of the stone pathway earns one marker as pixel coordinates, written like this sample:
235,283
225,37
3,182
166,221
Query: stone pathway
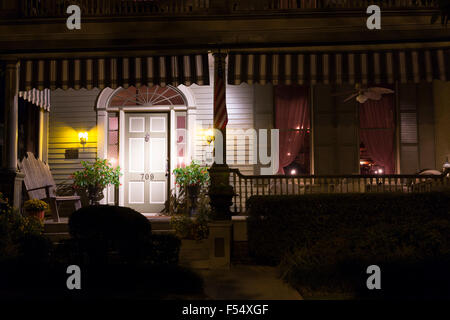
245,282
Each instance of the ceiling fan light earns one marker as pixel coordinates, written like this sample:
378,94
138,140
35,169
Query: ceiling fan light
361,98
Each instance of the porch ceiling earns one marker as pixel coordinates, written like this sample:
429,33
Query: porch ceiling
48,37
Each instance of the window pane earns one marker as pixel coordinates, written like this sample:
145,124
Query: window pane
113,123
113,137
181,122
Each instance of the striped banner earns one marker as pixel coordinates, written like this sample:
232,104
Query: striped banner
113,72
220,108
371,67
40,98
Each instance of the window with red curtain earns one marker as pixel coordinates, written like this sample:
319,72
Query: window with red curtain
377,134
292,118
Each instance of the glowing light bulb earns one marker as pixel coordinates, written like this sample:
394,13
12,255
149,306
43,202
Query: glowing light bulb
293,172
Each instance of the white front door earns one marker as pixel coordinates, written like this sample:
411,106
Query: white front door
146,161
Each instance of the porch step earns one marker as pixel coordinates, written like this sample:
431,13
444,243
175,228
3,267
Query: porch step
54,227
160,224
57,237
57,231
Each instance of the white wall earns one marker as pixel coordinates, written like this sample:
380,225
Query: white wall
249,106
71,112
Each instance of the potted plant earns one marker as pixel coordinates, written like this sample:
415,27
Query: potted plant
94,178
192,178
221,196
35,208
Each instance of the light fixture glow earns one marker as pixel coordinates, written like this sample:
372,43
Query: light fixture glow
83,136
209,136
293,172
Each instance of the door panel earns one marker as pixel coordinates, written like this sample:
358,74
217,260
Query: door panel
146,165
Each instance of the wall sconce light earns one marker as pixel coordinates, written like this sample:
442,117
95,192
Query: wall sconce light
209,136
83,136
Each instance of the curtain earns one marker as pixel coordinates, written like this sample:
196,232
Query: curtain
377,130
292,118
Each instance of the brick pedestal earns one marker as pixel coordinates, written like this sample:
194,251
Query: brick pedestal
220,237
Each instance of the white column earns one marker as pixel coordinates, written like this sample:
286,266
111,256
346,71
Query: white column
11,114
41,134
46,126
102,150
191,121
173,146
102,133
121,155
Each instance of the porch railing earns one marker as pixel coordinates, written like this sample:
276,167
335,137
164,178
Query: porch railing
99,8
329,4
246,186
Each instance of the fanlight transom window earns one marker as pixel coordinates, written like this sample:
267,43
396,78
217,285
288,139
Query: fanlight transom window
148,96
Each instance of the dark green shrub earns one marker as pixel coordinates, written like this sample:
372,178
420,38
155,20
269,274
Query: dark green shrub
35,248
409,257
326,242
15,231
280,224
102,230
165,249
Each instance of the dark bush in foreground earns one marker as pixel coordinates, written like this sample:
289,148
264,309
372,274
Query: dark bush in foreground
116,252
37,281
101,230
326,242
165,249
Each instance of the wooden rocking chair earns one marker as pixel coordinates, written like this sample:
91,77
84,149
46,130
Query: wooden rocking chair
39,184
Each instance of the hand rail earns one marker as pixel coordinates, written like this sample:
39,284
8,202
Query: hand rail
99,8
249,185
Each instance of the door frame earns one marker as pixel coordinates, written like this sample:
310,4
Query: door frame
103,110
123,148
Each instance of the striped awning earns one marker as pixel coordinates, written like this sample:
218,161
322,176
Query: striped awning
40,98
369,67
113,72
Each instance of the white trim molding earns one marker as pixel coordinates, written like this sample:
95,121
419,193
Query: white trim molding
103,108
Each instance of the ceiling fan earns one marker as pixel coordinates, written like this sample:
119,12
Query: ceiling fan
363,94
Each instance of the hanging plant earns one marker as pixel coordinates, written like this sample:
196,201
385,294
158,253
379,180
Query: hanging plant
444,12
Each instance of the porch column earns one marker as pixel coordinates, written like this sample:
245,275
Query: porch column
220,192
220,89
11,114
11,179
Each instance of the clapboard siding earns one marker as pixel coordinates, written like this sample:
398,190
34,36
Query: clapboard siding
240,106
72,111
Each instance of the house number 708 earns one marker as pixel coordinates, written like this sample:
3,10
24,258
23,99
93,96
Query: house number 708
146,176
